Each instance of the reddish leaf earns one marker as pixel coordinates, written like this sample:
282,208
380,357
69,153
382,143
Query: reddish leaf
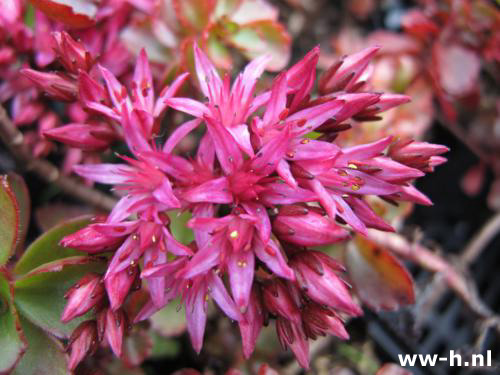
12,339
10,220
260,37
194,14
380,280
457,68
73,13
19,188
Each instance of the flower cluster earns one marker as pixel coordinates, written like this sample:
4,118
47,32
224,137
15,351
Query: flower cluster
265,186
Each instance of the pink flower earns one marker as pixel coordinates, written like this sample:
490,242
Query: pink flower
260,191
83,342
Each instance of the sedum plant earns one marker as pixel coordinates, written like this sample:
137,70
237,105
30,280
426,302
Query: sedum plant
264,187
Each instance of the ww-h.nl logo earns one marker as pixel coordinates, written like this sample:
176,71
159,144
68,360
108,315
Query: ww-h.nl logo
454,359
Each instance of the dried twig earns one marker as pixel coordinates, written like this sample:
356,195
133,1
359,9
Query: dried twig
13,139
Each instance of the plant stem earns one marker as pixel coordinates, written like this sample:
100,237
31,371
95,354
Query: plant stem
13,139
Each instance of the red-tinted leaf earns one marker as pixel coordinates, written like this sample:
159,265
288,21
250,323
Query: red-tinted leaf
10,219
263,37
46,248
12,341
457,68
73,13
194,14
40,293
378,277
19,188
44,356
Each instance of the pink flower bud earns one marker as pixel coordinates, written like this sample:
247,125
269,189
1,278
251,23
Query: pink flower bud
316,276
56,85
319,321
91,241
88,137
311,229
83,342
82,296
291,334
72,54
118,285
279,301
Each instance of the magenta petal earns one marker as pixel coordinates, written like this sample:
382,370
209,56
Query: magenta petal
221,296
168,92
263,223
278,193
241,269
148,310
196,317
311,149
116,90
143,83
285,173
189,106
228,152
120,229
272,256
165,195
277,101
367,215
118,285
112,174
250,324
128,253
362,152
206,258
315,116
179,134
208,78
174,246
241,135
212,191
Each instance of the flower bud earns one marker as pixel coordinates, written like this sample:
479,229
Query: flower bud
278,301
91,241
316,276
83,342
82,296
291,334
55,85
319,321
71,54
118,285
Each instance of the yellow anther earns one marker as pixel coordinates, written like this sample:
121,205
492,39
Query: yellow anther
234,234
352,166
355,187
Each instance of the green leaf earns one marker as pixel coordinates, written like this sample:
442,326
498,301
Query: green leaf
19,188
169,321
12,342
263,37
44,356
40,293
73,13
179,228
46,247
9,220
